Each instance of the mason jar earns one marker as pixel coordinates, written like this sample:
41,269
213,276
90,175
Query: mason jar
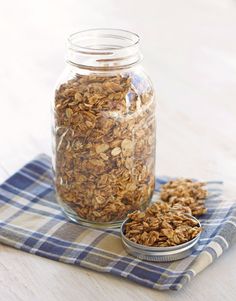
103,129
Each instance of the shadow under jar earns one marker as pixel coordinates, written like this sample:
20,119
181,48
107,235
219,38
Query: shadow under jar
103,129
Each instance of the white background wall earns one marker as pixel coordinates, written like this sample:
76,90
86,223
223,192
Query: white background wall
189,48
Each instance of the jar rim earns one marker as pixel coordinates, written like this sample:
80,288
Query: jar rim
128,38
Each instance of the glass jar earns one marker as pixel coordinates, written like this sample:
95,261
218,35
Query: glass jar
103,129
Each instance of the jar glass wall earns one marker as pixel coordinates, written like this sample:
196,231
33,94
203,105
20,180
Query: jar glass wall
103,129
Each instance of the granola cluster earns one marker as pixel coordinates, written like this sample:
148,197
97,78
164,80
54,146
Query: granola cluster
104,146
161,226
186,193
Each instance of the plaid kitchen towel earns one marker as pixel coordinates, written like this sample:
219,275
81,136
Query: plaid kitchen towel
31,220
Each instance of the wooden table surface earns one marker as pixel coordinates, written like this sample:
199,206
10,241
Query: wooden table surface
189,49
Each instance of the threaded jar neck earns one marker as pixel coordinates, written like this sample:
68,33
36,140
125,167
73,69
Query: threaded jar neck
103,49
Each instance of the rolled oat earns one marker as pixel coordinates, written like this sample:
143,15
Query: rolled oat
161,226
189,194
105,146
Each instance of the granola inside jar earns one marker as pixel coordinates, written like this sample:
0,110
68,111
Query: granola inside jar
103,129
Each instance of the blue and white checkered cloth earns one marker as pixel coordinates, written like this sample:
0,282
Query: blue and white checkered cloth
31,220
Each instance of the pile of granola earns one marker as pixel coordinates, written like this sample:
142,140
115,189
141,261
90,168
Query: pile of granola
186,193
104,146
161,226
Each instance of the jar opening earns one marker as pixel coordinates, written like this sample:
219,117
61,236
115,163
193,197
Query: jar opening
103,48
102,39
